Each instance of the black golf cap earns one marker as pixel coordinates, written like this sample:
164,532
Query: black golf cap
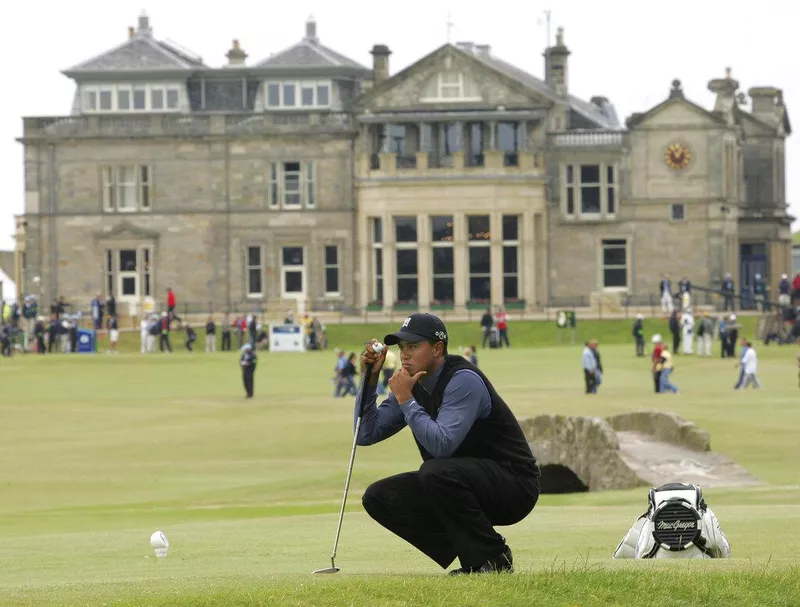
419,327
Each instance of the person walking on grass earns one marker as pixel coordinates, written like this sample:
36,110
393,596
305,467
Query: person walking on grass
589,364
478,470
247,361
749,367
191,337
666,368
658,346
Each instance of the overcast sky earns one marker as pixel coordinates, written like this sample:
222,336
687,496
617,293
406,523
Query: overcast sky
626,50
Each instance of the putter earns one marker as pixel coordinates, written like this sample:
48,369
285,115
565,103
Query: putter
362,402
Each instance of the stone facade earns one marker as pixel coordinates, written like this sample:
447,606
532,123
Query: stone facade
306,154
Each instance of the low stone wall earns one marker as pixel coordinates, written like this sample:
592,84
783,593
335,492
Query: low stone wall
666,427
626,451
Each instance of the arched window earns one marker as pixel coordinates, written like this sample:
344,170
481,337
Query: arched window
451,86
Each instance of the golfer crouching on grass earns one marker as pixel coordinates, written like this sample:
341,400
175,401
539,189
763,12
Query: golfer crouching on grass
478,470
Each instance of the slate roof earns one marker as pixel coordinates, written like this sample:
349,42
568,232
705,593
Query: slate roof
604,117
141,53
309,53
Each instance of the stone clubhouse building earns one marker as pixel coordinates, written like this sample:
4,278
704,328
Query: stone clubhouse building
308,179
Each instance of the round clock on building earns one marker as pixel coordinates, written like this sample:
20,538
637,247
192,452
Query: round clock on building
677,156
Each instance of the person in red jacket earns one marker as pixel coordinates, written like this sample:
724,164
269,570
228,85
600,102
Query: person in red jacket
658,348
171,302
796,288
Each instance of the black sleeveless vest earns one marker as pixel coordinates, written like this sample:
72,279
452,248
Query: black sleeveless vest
498,437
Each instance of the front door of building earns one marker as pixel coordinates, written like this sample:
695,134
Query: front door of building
753,260
293,273
128,276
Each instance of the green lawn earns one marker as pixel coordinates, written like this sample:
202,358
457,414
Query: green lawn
97,452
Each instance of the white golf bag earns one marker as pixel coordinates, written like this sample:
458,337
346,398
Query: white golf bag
677,524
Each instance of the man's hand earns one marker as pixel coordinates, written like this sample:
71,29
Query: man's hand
370,357
401,384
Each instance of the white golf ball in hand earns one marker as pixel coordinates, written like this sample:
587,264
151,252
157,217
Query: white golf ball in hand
378,347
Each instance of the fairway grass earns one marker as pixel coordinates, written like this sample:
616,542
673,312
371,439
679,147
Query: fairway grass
97,452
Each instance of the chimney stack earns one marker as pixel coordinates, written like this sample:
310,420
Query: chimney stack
380,62
131,33
236,56
144,30
555,65
311,30
767,104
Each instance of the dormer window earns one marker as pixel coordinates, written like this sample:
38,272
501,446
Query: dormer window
298,94
451,86
105,98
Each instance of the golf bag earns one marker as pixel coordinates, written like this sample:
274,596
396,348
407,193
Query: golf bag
494,337
677,524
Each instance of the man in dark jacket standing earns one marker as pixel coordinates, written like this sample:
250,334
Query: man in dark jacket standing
638,334
675,329
487,322
247,361
477,471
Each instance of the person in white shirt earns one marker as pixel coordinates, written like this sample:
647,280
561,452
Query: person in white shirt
750,367
144,331
687,323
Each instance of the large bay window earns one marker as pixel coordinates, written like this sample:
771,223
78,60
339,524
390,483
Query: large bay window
442,259
480,258
406,259
589,191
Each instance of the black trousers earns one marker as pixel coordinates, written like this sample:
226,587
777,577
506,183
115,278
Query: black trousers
639,346
226,341
591,382
248,376
163,343
449,507
676,342
657,380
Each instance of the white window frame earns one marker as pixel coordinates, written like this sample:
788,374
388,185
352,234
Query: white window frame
474,244
377,273
328,266
602,266
516,244
442,244
248,267
171,97
111,186
147,271
294,268
299,86
458,86
306,191
576,187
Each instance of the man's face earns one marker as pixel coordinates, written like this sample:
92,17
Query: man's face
418,356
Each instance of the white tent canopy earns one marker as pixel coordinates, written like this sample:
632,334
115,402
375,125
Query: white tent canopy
8,292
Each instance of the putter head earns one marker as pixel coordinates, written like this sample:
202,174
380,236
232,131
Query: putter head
332,569
328,570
